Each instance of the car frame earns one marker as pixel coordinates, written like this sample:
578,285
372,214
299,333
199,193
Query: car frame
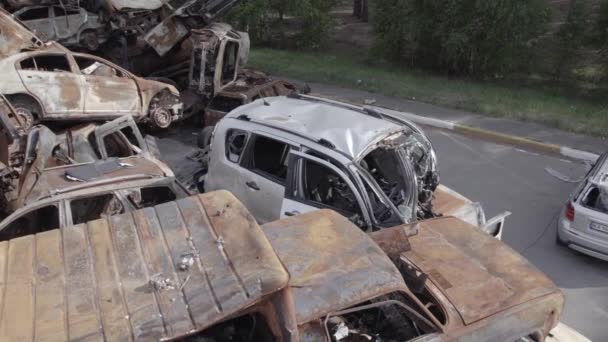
581,225
71,27
67,91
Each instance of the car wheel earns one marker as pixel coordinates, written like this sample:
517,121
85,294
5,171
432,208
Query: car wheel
204,137
26,112
161,117
89,40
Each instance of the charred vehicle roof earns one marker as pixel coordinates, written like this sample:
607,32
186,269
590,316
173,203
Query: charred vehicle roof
473,286
156,274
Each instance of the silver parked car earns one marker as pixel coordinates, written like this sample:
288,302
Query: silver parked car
583,224
69,26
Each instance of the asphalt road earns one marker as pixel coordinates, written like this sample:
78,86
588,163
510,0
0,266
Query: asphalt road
504,178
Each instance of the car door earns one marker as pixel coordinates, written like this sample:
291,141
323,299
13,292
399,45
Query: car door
49,77
313,183
119,138
66,22
39,21
110,91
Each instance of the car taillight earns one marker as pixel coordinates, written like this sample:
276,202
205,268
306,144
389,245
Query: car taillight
569,212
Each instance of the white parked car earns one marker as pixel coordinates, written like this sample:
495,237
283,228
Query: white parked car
583,224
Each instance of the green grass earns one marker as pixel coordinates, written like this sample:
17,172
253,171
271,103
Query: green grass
522,103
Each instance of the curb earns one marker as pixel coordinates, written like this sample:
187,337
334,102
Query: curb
501,138
476,132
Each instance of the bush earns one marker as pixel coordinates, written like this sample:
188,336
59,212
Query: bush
572,36
463,37
296,23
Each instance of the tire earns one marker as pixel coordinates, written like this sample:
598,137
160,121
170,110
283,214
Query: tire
161,117
89,40
27,111
204,137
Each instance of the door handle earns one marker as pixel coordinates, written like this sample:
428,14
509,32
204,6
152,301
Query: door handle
292,213
253,185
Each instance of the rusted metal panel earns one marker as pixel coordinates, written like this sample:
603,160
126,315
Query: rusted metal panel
14,36
112,306
49,271
479,275
18,313
332,264
158,273
166,35
84,322
161,267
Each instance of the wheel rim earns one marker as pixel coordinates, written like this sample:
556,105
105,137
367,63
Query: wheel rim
162,118
25,117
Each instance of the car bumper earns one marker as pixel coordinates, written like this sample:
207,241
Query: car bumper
582,242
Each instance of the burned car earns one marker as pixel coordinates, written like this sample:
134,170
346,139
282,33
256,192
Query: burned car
72,27
53,83
214,79
25,153
201,269
284,156
72,194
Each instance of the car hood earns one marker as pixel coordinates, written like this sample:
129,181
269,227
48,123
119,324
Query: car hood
14,36
479,275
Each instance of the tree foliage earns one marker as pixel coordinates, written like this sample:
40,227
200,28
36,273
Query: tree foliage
464,37
304,22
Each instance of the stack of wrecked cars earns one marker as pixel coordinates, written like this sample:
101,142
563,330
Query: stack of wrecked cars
201,269
51,180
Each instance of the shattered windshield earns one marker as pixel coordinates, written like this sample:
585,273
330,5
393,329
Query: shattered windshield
403,166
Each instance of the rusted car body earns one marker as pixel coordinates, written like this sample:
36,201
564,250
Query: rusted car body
72,194
72,27
52,83
201,269
26,154
14,36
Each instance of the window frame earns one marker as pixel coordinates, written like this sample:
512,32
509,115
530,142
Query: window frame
34,56
226,146
247,160
127,74
19,213
294,187
68,203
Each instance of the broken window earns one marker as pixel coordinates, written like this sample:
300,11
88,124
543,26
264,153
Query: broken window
96,207
49,63
149,197
384,214
235,144
33,222
35,14
326,188
230,61
60,12
116,146
388,318
93,67
252,327
594,201
383,164
269,158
